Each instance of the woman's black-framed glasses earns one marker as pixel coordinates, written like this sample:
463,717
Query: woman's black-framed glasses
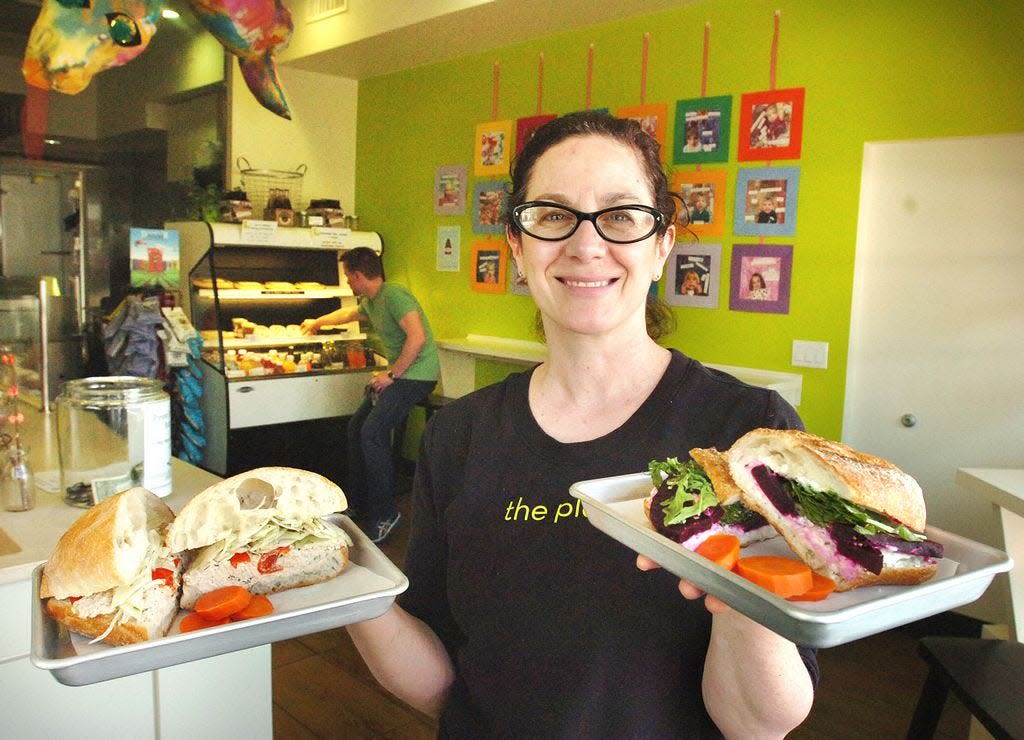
552,222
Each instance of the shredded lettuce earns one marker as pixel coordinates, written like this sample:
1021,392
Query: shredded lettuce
273,532
128,601
693,491
826,507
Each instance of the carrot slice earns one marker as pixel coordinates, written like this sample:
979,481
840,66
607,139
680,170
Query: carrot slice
820,588
723,549
782,576
193,621
222,602
260,606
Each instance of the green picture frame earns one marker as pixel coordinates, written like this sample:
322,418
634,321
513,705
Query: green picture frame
702,130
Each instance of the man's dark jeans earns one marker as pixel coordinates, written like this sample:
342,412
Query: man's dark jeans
371,466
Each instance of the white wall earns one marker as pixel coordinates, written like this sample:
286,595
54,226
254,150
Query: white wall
321,134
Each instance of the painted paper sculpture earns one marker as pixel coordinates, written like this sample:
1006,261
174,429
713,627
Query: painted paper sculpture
252,30
74,40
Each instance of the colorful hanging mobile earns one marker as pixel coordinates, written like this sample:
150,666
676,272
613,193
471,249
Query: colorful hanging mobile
74,40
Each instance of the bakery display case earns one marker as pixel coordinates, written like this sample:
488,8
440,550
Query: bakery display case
247,289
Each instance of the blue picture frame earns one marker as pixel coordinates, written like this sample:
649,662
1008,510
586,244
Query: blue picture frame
766,201
488,205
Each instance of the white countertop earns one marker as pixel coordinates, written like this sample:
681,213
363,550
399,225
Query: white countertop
37,530
457,377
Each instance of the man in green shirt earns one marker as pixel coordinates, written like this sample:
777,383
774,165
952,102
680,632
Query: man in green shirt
398,320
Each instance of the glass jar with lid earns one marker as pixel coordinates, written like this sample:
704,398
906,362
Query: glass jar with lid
113,433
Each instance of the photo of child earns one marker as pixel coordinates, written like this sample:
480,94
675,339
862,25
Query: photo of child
771,124
761,278
770,127
693,276
766,202
702,129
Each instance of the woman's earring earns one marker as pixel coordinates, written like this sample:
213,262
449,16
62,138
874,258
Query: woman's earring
657,276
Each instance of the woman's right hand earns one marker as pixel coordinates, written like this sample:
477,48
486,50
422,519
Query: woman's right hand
310,326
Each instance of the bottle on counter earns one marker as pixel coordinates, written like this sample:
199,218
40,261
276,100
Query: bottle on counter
17,486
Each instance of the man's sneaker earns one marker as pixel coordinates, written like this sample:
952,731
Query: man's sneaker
380,529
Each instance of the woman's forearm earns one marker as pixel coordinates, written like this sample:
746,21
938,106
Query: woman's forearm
755,682
406,657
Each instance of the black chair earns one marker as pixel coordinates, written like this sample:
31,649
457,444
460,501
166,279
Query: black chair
986,675
430,404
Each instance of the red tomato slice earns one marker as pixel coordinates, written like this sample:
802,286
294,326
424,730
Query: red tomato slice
164,574
268,560
239,557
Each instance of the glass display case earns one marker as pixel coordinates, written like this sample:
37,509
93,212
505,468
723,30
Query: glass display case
248,290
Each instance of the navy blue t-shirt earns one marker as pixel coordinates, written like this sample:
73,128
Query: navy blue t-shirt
553,630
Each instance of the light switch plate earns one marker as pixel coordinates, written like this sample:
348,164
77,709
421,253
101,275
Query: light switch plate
810,354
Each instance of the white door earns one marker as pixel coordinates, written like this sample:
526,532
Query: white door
936,366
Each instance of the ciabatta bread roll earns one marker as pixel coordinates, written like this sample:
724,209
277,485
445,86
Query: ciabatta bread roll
852,517
110,575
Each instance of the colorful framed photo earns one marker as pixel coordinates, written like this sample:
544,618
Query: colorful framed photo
449,247
450,190
526,127
694,272
771,124
703,196
488,204
516,280
766,201
651,117
760,279
490,261
493,148
702,130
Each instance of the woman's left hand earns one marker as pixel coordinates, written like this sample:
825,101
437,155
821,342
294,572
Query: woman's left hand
712,603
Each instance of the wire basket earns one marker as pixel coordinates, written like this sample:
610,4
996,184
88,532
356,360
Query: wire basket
263,186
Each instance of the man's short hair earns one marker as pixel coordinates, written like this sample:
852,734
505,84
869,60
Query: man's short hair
364,260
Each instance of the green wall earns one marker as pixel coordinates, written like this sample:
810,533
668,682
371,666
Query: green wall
872,70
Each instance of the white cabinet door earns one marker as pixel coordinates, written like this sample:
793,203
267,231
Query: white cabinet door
34,705
937,324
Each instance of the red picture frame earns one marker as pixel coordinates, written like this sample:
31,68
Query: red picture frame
771,125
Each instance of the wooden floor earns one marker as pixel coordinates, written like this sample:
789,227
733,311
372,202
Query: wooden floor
322,689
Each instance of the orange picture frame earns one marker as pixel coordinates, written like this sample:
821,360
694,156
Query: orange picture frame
703,194
489,267
652,117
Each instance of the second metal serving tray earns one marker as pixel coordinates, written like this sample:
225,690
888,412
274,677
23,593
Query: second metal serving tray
615,506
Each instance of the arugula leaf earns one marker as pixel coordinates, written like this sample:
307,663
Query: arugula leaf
826,507
693,491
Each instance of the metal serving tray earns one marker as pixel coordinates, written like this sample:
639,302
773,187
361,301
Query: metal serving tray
364,590
615,506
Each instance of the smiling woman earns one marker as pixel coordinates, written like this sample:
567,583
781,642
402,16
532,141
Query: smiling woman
590,224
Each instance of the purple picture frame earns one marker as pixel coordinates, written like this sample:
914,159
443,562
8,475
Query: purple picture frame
773,263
